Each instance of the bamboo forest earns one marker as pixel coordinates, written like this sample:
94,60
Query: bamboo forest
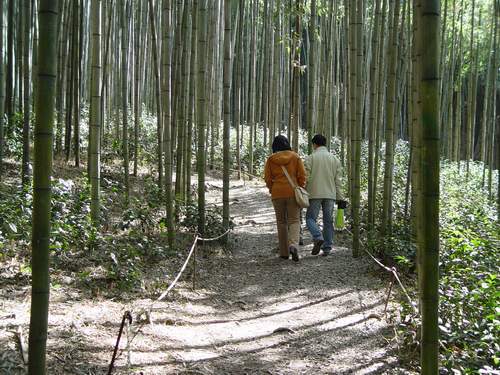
249,187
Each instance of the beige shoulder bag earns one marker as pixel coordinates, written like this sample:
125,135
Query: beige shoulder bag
301,194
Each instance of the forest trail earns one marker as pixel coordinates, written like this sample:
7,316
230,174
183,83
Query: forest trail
257,314
252,313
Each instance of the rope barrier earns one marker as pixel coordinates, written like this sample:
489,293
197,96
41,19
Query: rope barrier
214,238
404,291
128,315
172,285
192,251
391,270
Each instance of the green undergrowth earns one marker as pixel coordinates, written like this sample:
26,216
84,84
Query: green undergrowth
129,253
469,266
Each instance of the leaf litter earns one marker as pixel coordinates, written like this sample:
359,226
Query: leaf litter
252,312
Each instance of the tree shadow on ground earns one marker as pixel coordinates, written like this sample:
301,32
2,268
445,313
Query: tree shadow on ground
266,287
313,350
252,314
263,288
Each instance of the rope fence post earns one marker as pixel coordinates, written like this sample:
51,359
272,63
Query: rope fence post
393,279
127,347
194,264
126,316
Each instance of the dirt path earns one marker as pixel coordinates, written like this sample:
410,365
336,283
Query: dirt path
258,314
253,313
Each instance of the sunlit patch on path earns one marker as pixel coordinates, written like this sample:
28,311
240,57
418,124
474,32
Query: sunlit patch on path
257,314
252,313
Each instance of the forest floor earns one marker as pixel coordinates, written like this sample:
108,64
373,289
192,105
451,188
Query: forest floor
251,313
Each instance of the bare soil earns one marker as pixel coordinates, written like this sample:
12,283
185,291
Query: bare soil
251,313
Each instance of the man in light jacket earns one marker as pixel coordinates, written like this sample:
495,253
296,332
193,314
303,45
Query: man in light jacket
324,186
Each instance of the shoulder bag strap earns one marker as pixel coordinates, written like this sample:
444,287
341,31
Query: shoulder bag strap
290,181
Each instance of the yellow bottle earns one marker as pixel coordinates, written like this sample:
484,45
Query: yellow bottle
339,220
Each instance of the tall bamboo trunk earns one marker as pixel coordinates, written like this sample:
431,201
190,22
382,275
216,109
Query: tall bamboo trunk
474,93
276,74
443,53
2,90
47,20
18,84
483,145
267,69
252,84
167,114
351,88
457,125
389,131
416,142
447,94
137,83
470,94
159,125
105,89
187,116
25,42
238,88
176,77
227,112
295,98
428,33
379,115
182,107
69,85
9,89
62,65
356,134
377,35
322,92
77,79
493,128
124,24
192,101
95,113
212,79
311,76
201,111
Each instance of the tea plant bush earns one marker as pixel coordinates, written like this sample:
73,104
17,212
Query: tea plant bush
470,268
469,265
188,214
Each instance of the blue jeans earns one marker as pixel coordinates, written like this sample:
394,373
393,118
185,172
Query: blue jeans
311,220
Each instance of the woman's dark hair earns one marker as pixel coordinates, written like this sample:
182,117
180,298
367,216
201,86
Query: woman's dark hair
281,143
319,140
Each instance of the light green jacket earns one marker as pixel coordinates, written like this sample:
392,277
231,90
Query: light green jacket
324,173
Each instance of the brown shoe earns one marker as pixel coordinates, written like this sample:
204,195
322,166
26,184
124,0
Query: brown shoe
317,247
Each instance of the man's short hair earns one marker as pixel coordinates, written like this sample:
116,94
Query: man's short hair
319,140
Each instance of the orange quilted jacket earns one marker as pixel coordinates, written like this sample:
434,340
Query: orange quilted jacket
276,180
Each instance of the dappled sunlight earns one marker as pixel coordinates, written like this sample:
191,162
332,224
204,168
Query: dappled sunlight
251,310
264,312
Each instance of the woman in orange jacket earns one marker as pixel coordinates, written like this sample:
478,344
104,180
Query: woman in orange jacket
283,196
